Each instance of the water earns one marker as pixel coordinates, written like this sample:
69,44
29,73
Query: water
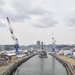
42,66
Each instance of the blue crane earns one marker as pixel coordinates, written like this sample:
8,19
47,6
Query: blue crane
54,44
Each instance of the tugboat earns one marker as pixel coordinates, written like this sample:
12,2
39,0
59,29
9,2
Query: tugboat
42,53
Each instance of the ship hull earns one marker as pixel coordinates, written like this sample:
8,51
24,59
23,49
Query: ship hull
42,54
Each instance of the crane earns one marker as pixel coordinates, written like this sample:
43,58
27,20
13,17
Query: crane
16,44
54,44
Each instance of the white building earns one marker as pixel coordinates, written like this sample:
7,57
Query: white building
68,53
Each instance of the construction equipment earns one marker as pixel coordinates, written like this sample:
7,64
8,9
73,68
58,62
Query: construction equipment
16,44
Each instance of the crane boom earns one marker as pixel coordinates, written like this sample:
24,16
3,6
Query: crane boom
13,36
11,30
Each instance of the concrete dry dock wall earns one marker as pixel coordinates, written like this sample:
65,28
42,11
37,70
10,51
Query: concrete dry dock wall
67,66
16,64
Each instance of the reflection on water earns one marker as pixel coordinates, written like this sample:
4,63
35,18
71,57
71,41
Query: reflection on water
42,66
53,65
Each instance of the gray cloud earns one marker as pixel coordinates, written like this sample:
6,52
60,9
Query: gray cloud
71,21
25,9
1,5
2,25
45,22
2,2
70,18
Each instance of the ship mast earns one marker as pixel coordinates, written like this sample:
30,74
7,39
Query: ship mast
13,36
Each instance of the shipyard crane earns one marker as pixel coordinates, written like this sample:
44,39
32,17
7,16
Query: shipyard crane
16,44
54,44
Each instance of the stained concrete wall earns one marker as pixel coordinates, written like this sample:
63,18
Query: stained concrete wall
67,66
16,64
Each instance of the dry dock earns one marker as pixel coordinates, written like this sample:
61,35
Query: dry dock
67,62
13,64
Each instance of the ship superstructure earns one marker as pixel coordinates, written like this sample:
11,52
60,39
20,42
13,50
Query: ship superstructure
42,53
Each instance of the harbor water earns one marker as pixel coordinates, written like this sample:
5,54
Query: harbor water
41,66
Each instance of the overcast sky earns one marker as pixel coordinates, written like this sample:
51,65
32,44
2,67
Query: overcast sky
34,20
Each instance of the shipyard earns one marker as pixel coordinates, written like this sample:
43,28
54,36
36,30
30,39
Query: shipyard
37,37
63,56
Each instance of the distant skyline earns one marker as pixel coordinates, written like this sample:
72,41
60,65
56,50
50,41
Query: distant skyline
34,20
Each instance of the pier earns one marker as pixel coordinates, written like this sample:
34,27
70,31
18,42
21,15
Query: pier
41,66
13,64
67,62
53,59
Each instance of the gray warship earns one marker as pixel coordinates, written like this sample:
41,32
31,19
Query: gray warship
42,53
